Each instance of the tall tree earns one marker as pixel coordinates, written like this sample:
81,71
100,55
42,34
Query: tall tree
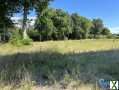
86,24
55,24
62,22
97,27
81,26
7,8
44,25
26,6
77,31
41,6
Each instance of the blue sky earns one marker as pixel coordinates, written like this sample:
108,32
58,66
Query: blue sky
107,10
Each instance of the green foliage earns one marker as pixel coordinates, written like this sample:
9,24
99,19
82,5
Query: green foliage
18,40
62,22
55,24
8,7
86,25
26,41
81,26
6,11
47,27
105,31
51,24
35,35
97,27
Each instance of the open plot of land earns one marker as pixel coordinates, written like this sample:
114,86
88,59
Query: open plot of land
61,64
70,46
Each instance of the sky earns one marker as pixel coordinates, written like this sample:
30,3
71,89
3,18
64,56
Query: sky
107,10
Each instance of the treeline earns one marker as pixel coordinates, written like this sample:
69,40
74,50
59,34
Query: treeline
51,24
56,24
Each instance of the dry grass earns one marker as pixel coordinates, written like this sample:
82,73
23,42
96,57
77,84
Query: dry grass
63,46
85,61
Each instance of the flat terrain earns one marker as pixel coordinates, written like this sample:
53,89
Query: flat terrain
76,46
58,64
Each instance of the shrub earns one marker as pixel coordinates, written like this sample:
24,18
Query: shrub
17,39
34,34
100,37
26,41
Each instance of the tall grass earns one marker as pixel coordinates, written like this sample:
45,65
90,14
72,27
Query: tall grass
58,65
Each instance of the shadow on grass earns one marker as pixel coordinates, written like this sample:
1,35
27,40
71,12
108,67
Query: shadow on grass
48,67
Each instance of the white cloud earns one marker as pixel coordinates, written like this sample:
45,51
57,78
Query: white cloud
114,29
18,18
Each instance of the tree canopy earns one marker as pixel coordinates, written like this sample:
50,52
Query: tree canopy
56,24
51,24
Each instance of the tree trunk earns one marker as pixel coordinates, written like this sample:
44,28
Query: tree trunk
24,26
4,32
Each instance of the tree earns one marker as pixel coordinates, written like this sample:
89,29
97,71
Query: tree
26,6
6,11
77,31
62,22
86,24
54,24
57,25
81,26
44,25
105,31
40,6
97,27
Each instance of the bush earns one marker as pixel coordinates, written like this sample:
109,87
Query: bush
26,41
110,36
100,37
17,39
34,34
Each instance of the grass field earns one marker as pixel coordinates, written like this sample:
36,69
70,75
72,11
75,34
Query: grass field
58,65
